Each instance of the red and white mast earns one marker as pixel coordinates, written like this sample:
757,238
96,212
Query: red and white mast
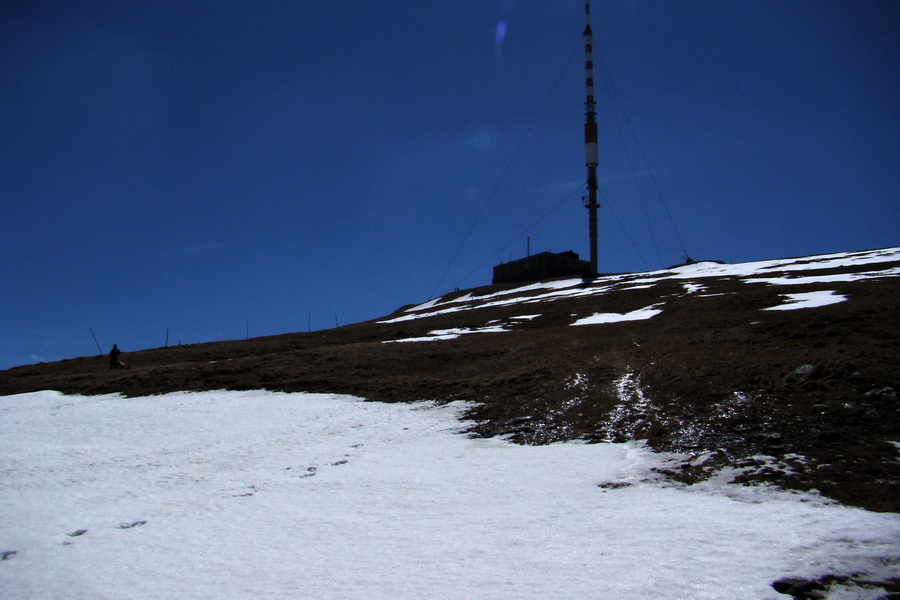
590,136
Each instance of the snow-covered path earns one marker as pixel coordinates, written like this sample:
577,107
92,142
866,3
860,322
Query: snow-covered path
267,495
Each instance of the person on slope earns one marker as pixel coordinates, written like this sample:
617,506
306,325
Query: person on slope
114,357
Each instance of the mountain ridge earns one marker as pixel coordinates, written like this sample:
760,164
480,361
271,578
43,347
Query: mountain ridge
779,372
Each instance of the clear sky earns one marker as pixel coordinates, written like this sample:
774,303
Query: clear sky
222,167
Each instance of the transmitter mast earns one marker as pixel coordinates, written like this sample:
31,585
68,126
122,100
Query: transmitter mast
590,136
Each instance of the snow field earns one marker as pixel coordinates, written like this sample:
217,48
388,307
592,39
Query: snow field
268,495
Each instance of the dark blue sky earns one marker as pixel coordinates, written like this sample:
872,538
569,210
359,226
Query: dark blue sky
202,166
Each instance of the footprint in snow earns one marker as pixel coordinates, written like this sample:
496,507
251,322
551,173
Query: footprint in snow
7,554
74,534
130,525
253,489
309,472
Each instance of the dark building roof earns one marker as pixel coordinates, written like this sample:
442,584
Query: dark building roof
546,265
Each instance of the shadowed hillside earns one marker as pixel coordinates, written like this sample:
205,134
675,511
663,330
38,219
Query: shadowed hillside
784,371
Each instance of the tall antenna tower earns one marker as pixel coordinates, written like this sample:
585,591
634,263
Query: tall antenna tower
590,136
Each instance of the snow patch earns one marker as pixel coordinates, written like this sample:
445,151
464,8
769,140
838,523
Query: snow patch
692,288
636,315
634,411
451,334
809,300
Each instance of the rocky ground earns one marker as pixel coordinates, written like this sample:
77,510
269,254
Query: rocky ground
804,399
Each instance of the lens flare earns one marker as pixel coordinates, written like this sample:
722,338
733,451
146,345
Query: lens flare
500,36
